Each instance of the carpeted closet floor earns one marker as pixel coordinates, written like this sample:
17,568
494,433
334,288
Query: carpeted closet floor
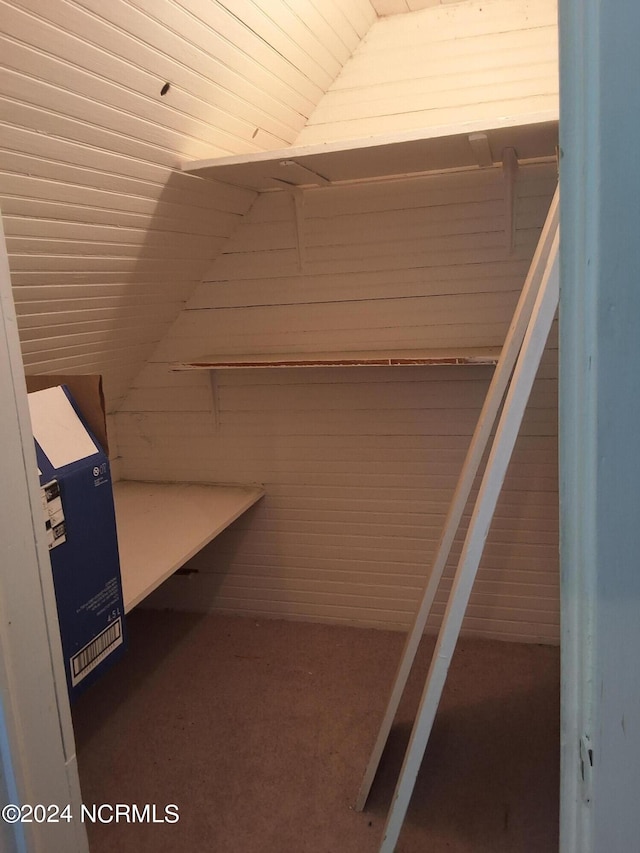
259,732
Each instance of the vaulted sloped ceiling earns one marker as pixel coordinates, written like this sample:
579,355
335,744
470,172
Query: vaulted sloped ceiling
450,64
100,103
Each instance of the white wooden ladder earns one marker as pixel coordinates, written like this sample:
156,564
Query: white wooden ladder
514,374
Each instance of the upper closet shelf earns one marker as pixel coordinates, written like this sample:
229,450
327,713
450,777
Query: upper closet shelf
433,149
371,358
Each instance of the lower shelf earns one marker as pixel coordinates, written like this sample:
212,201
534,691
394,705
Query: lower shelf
162,525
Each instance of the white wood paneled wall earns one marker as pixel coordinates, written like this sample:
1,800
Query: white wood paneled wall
106,239
358,464
447,64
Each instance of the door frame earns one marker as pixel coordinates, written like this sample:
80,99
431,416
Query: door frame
37,750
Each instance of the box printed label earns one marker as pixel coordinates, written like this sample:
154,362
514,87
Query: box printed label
53,514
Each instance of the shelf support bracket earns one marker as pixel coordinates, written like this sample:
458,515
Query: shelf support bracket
297,194
510,172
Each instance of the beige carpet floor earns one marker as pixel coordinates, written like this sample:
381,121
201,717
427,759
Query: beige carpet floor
259,732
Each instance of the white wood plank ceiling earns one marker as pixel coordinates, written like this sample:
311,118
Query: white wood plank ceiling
99,105
450,65
107,238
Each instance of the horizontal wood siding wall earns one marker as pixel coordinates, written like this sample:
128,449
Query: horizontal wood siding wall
359,464
447,64
107,238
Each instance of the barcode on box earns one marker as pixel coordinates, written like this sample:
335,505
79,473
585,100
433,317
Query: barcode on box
88,658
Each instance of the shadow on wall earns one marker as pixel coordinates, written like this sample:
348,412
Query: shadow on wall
184,229
207,582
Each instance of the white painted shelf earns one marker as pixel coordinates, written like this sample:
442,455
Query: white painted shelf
370,358
162,525
532,136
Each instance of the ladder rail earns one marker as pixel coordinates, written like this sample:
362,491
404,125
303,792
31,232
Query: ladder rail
492,480
495,394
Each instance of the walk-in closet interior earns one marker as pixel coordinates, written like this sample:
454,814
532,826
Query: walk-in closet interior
291,236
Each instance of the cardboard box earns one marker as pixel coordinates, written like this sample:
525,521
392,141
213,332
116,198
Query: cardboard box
79,514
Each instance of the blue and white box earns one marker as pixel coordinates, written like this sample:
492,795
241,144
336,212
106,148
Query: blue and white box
79,516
